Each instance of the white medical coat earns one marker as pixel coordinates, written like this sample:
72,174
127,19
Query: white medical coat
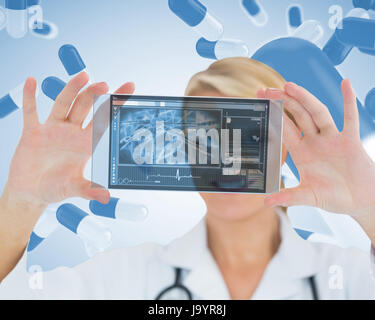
143,272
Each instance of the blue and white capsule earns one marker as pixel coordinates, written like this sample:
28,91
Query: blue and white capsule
52,86
12,101
94,235
17,18
196,15
118,209
364,4
71,60
46,224
310,30
357,32
335,48
224,48
294,18
256,12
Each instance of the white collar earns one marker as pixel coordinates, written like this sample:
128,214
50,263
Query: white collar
295,260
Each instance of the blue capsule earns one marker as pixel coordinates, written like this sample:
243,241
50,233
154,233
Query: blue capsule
335,48
16,16
221,49
294,16
11,101
196,15
357,32
34,241
118,209
300,61
46,224
96,237
256,12
370,102
52,86
365,4
71,59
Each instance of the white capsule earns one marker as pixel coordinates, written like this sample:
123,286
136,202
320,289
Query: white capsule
224,48
310,30
119,209
94,233
16,16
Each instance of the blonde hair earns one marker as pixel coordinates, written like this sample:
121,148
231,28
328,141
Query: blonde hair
235,77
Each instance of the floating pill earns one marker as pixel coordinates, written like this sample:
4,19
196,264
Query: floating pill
256,12
31,3
71,59
221,49
336,50
11,101
3,19
46,224
302,62
48,30
118,209
87,227
52,86
370,102
196,15
310,30
16,16
294,17
365,4
357,32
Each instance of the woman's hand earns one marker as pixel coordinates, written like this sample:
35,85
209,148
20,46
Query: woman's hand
49,161
336,174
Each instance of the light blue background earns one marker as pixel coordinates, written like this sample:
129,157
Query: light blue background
144,42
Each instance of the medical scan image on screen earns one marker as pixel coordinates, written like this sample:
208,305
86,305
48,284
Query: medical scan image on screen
190,144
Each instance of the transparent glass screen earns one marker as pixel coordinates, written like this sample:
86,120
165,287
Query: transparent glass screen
187,143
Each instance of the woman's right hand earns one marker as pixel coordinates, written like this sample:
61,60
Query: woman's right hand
49,161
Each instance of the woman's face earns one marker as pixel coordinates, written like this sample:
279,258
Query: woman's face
233,206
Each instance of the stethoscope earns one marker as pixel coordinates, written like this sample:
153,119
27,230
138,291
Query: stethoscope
178,291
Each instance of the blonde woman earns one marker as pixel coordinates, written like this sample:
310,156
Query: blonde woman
244,248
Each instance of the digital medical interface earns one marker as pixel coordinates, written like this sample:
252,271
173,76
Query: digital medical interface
192,144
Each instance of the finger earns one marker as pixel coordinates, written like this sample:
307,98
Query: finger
291,136
261,94
30,115
318,111
84,189
351,116
127,88
66,97
82,105
291,197
299,113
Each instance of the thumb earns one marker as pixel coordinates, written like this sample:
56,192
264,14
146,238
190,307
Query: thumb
291,197
90,191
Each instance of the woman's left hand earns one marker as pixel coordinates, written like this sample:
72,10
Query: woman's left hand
336,174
